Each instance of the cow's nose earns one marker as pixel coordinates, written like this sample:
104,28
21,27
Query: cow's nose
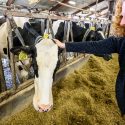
44,108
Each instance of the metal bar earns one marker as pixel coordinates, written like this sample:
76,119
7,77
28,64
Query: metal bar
37,15
111,7
71,31
97,11
71,54
33,15
64,4
68,31
12,63
42,27
58,5
65,31
19,36
2,80
64,55
19,7
15,28
87,7
47,27
51,30
96,8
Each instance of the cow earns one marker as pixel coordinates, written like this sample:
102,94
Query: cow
29,39
45,59
79,34
40,53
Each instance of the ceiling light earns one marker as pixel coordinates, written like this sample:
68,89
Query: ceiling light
72,2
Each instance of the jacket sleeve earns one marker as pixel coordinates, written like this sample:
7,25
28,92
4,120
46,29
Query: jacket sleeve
106,46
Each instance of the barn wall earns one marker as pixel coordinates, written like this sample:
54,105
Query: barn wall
22,99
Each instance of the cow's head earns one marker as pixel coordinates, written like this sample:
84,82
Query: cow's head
21,72
99,34
44,58
95,35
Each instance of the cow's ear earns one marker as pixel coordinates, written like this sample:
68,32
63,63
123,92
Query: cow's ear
17,50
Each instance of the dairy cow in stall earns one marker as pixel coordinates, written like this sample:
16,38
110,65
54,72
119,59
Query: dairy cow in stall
29,37
79,34
44,56
41,54
23,74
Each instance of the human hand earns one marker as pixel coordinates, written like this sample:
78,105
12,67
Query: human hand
59,44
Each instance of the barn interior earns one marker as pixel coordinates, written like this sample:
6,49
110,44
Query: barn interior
83,96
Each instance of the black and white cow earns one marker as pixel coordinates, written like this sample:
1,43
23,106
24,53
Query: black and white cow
29,39
79,33
22,74
41,54
45,58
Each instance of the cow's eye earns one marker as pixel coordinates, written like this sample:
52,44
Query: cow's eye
20,68
5,50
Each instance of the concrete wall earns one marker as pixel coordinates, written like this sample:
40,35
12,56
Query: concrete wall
22,99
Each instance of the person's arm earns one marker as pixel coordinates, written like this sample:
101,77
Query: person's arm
106,46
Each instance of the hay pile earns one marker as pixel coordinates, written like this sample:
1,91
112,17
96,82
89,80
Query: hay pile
86,97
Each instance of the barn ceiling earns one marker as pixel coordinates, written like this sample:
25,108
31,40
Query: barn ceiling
54,6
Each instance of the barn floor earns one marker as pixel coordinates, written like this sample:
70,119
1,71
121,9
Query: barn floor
86,97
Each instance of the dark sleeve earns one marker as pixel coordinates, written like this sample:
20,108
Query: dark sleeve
106,46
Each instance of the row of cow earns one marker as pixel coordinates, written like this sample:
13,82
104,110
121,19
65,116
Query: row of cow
44,54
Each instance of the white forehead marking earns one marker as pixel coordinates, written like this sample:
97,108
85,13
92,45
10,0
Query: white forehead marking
47,57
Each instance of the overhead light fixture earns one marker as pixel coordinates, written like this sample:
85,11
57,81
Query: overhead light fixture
72,2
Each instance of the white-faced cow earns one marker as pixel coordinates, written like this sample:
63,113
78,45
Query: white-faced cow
47,57
44,58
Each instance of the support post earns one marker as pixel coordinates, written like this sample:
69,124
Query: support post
12,62
2,79
110,13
